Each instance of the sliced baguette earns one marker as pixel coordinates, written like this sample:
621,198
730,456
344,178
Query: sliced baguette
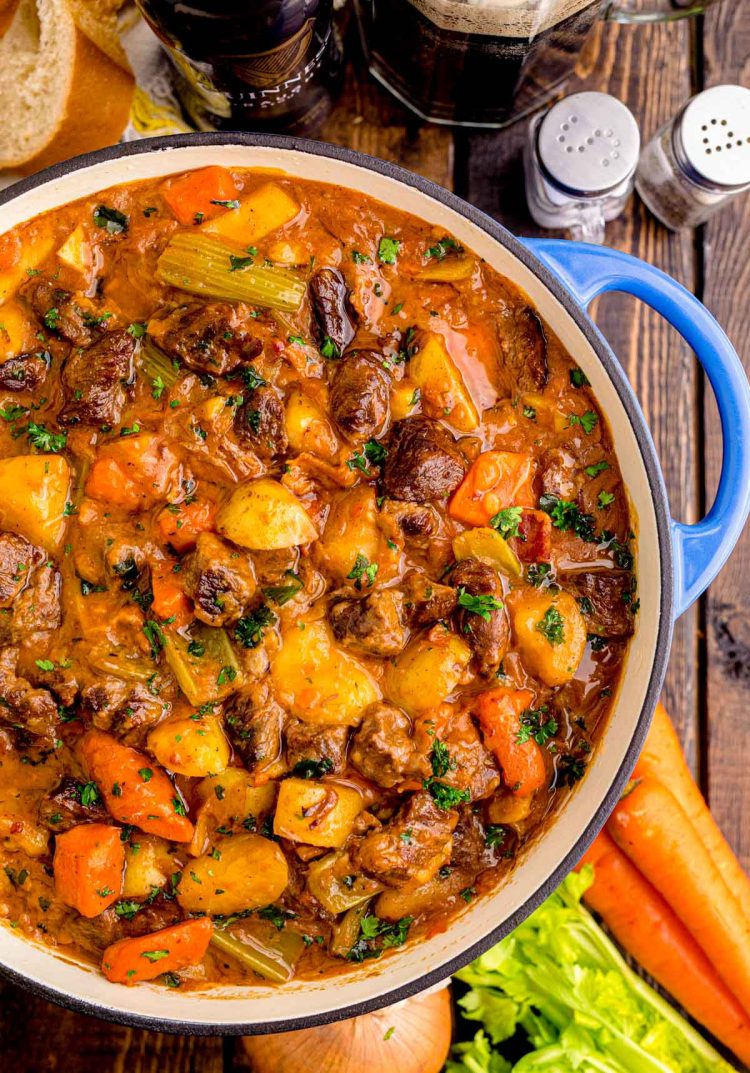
63,92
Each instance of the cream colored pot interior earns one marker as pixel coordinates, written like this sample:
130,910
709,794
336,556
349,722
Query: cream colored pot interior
374,981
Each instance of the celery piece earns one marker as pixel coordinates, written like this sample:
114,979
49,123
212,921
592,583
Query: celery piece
204,265
272,960
346,931
210,676
337,891
155,364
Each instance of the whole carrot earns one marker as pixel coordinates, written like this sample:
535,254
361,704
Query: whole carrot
169,950
647,928
649,826
662,759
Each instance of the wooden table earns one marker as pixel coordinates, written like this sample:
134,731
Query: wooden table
654,70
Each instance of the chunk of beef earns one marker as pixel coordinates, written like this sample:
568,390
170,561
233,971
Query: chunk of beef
36,608
383,748
606,598
412,848
208,338
126,565
220,580
358,397
426,601
557,470
63,808
25,372
418,522
371,625
151,917
472,766
423,461
259,423
471,854
17,558
313,750
331,309
255,723
117,706
58,312
534,541
523,346
22,705
95,380
487,631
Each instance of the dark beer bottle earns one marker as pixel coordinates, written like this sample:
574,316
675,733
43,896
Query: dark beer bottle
251,64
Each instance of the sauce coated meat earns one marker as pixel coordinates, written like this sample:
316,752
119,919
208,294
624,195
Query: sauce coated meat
316,578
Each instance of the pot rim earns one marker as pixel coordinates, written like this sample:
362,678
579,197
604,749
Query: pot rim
631,406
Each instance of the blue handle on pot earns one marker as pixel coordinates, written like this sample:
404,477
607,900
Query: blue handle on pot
700,550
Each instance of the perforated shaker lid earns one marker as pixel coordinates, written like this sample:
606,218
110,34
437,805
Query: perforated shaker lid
714,135
588,143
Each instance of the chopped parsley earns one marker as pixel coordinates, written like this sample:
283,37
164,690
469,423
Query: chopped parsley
233,204
388,250
89,794
494,835
376,935
157,387
442,248
238,264
282,594
248,630
252,378
605,500
536,723
127,909
598,467
312,769
551,626
566,516
45,664
329,349
578,378
112,220
587,421
137,329
155,636
45,441
445,796
570,769
440,758
362,568
537,573
12,413
361,258
507,521
154,955
482,605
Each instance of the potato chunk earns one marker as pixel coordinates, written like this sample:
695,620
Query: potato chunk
244,872
190,746
148,864
550,633
427,671
442,388
316,813
230,801
351,531
265,210
35,491
264,515
308,428
317,680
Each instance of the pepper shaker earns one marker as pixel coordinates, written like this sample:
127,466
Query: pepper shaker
699,160
579,161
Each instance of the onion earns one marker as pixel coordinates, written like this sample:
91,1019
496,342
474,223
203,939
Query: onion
411,1037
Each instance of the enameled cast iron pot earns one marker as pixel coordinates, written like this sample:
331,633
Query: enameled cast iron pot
675,563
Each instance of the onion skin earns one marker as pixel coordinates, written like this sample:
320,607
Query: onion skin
419,1034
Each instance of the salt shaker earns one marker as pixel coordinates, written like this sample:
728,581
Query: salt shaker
579,160
699,160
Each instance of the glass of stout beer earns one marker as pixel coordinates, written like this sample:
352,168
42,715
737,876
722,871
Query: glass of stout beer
251,64
487,63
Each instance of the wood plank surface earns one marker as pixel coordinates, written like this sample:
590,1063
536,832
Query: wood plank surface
726,58
654,69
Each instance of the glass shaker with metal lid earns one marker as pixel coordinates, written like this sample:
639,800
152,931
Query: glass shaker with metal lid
579,160
699,160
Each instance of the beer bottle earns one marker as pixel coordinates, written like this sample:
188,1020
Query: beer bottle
251,64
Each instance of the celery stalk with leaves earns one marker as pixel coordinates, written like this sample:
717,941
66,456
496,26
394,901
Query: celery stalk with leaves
560,980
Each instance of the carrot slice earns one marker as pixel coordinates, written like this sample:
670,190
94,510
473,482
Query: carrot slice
134,788
643,923
193,198
181,524
662,759
496,480
134,472
522,762
88,866
129,961
650,826
170,602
